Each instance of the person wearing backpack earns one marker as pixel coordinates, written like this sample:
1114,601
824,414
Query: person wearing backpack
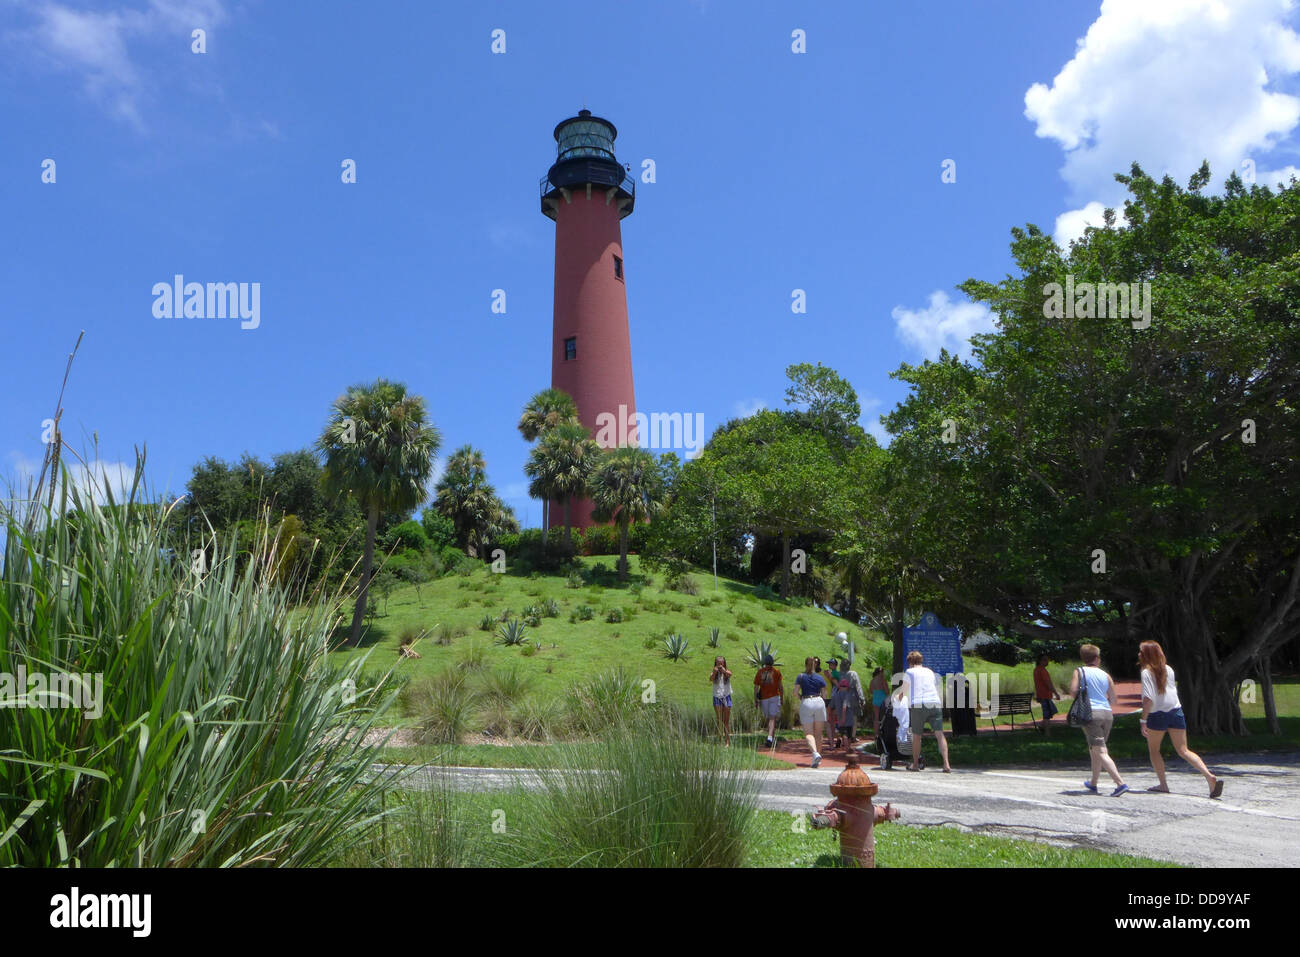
1093,710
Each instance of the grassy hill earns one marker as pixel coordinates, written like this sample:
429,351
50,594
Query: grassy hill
571,649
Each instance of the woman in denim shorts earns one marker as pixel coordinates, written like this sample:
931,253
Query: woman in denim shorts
1162,713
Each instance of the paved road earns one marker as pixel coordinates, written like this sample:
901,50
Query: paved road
1256,822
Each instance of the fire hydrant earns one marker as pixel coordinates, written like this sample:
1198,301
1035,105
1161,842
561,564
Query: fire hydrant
853,815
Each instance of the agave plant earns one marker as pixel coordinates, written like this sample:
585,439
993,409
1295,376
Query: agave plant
758,652
714,635
675,647
551,608
487,622
513,632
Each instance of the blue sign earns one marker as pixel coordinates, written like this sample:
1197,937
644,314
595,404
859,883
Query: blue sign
940,646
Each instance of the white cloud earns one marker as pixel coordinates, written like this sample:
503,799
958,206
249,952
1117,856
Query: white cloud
1070,225
943,324
1168,83
94,479
95,43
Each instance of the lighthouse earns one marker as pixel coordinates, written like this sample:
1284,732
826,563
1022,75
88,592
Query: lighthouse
588,193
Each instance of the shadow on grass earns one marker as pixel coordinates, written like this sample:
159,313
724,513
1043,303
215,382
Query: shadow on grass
371,634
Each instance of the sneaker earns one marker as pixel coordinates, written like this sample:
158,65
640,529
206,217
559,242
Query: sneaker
817,759
1090,786
769,742
1119,790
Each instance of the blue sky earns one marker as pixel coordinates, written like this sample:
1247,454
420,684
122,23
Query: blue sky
775,171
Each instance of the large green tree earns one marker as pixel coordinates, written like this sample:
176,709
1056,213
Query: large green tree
1106,476
378,447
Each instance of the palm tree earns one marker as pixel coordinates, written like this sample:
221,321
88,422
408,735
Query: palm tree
466,497
378,446
627,486
544,411
559,467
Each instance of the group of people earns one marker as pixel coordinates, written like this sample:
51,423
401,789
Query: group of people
832,701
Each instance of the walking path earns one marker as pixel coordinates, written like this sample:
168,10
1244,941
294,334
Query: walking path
1255,824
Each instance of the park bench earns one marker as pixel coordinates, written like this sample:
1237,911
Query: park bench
1012,705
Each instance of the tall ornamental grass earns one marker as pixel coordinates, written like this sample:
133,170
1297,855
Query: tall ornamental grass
224,739
653,796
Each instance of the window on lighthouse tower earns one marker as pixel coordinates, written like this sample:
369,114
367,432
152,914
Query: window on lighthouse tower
570,348
618,268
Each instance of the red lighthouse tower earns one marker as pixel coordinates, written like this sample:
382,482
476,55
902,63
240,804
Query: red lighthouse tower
588,193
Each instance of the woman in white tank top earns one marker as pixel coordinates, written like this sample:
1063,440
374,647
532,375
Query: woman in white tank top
1162,713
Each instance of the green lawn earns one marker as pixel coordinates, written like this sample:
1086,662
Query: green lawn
778,843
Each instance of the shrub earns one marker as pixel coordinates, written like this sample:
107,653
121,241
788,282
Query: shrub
675,647
682,582
487,623
512,633
666,800
444,706
454,560
599,540
754,657
615,616
408,535
603,700
584,612
550,608
439,530
507,686
574,580
745,619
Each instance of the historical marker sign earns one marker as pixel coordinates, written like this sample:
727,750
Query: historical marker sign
940,646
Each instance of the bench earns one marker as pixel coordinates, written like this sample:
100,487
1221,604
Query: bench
1012,705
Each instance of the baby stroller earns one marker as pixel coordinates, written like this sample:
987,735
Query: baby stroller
892,747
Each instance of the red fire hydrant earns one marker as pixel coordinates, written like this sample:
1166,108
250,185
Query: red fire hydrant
853,815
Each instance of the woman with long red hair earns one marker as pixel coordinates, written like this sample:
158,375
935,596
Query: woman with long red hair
1162,713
